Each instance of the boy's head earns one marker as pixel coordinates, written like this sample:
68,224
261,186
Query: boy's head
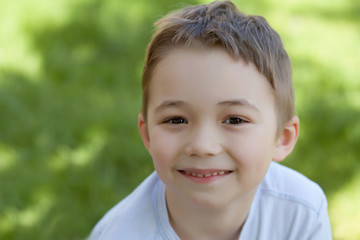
220,24
217,89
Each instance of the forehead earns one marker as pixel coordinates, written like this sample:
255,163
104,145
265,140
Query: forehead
207,76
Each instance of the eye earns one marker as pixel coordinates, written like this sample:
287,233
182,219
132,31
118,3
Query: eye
176,120
235,120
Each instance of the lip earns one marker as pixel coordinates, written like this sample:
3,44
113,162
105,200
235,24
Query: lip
204,176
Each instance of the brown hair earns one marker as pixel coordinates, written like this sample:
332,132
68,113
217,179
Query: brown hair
220,24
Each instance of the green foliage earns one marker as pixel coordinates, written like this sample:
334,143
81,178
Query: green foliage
70,75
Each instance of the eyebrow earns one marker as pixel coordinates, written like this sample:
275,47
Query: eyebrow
239,102
169,104
234,102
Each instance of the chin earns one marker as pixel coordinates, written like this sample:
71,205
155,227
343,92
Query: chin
205,201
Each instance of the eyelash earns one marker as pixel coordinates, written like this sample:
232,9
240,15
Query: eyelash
176,120
238,120
232,120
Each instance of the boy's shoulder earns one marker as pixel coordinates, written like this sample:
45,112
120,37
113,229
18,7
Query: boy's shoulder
133,215
287,184
289,206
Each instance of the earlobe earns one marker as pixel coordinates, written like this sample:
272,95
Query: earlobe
287,140
143,131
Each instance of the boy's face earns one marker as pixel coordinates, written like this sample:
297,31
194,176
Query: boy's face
212,117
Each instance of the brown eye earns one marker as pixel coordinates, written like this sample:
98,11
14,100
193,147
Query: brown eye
234,120
176,120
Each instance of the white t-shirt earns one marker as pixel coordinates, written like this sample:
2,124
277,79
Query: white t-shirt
287,206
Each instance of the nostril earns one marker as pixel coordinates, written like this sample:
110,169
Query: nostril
203,149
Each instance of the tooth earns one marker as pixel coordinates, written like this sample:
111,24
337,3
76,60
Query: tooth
208,175
199,175
194,174
221,173
215,173
187,172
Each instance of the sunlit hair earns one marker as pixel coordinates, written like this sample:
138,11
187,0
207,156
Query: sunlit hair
220,24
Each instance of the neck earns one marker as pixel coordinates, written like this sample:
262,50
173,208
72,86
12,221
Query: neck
191,221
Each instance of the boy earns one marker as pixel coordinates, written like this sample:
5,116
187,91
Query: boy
218,113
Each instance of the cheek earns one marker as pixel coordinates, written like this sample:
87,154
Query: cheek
252,151
163,147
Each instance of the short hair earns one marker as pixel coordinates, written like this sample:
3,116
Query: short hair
220,24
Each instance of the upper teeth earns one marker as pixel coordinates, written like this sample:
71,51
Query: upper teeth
206,175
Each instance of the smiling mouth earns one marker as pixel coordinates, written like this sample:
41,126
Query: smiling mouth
205,173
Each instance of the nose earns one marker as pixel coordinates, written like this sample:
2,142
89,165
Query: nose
203,142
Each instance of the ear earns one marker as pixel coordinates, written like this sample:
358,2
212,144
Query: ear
287,139
143,131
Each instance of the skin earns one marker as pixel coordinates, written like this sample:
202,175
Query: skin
209,114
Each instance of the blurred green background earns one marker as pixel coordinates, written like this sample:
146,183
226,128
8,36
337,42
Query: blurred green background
70,74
